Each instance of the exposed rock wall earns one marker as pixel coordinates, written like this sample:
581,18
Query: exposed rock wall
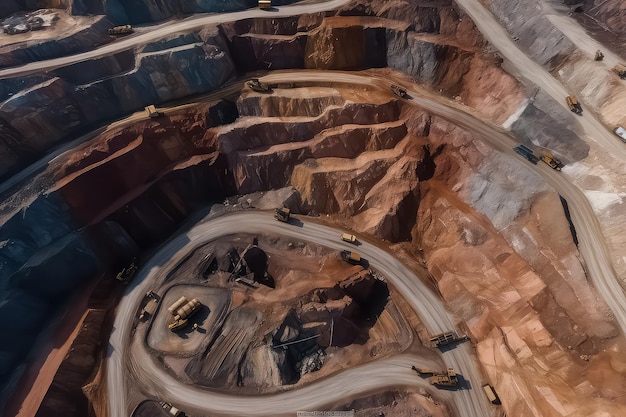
611,13
48,112
543,42
80,41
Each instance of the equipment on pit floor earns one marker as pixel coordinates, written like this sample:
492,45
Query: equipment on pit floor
346,237
549,159
491,394
574,105
446,338
599,55
247,282
121,30
621,132
182,312
399,91
152,112
620,70
282,214
127,273
265,4
527,153
258,86
441,378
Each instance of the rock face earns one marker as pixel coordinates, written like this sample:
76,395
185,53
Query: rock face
543,42
611,13
59,107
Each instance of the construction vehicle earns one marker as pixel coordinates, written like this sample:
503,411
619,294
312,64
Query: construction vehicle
171,410
440,378
352,257
148,310
620,70
399,91
445,339
152,112
346,237
121,30
265,4
182,314
282,214
549,159
258,86
599,55
621,132
491,394
527,153
574,105
127,273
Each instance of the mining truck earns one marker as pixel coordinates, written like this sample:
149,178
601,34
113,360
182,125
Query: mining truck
621,132
182,313
148,310
282,214
152,112
265,4
527,153
549,159
127,273
620,70
440,378
121,30
574,105
258,86
599,55
399,91
352,257
346,237
491,394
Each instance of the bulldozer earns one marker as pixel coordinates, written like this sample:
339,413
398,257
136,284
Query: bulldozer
439,378
182,310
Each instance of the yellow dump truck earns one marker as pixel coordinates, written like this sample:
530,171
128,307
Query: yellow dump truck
549,159
181,318
574,105
152,112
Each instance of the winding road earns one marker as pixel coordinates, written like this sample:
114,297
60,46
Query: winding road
425,303
529,69
379,374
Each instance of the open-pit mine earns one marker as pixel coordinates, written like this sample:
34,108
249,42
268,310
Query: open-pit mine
400,208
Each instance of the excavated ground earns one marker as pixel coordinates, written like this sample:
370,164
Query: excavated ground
238,325
379,167
492,236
